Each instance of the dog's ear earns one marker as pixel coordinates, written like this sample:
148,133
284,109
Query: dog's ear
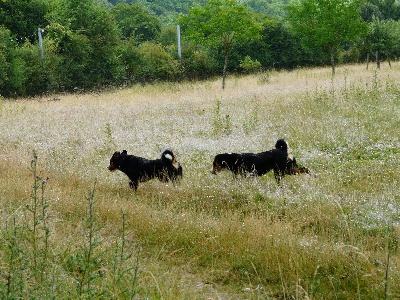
124,152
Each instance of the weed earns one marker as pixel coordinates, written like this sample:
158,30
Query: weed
86,262
125,273
31,269
38,232
221,124
28,253
264,77
252,121
109,142
14,261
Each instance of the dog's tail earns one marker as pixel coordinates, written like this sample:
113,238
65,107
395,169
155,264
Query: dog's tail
168,157
281,144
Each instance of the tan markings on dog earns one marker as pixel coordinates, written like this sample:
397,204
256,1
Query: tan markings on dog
112,167
301,170
175,164
304,170
216,168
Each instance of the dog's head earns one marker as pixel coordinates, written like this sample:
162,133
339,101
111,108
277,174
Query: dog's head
282,145
218,164
116,159
293,169
230,161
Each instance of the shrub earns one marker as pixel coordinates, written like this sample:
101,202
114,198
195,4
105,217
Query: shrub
198,63
130,61
248,65
156,63
28,76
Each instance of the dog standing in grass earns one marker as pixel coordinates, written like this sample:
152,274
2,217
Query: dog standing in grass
256,164
140,169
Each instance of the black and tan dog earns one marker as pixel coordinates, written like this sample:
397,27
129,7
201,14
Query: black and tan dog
255,164
140,169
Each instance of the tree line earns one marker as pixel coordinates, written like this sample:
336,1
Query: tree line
93,44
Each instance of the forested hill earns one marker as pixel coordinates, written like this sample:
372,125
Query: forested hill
171,7
164,7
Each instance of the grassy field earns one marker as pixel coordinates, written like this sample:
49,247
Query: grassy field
71,229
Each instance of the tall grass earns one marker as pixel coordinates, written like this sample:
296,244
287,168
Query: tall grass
332,235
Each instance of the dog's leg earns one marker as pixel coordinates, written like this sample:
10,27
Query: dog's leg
278,175
133,185
176,181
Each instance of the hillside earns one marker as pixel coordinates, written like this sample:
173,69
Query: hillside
73,229
166,7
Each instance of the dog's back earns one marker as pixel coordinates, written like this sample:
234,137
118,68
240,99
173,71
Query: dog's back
261,163
230,161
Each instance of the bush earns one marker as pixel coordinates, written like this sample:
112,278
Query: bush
74,50
198,63
248,65
6,44
36,82
156,63
129,60
5,38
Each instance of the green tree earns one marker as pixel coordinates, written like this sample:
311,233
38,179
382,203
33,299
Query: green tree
370,11
280,48
86,36
23,17
390,9
381,39
6,46
272,8
135,21
220,24
326,24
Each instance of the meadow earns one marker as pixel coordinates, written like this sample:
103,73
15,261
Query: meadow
71,229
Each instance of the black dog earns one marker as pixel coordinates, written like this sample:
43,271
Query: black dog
140,169
255,164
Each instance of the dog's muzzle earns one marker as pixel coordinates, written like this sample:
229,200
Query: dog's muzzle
216,169
112,167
